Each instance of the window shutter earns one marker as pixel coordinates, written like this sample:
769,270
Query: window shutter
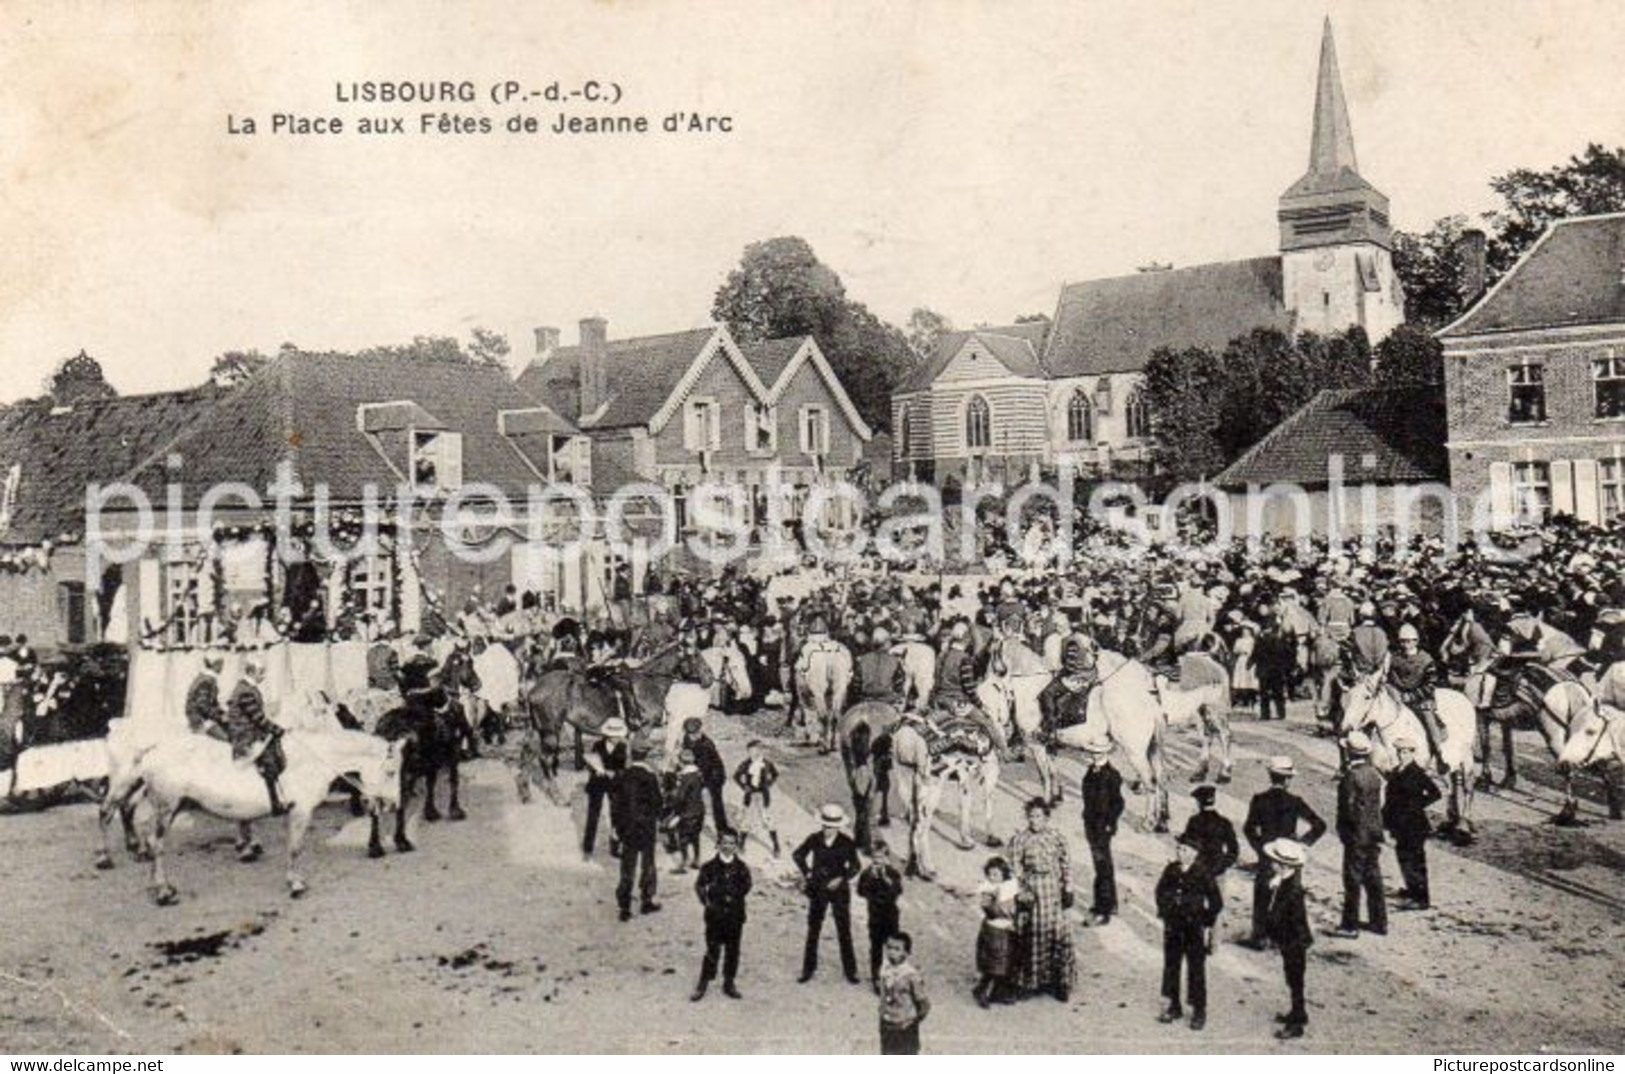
713,436
149,578
451,460
801,430
1562,487
1587,496
691,426
583,461
1500,493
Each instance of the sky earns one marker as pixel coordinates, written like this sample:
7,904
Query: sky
965,156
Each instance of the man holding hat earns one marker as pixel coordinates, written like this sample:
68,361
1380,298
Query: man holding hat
606,760
1275,814
828,860
638,807
723,884
1188,902
1287,926
1410,792
1359,825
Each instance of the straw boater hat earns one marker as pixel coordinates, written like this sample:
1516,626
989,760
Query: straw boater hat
614,727
1282,766
832,816
1405,744
1286,852
1097,747
1358,744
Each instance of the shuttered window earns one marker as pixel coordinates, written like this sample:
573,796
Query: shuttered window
1532,490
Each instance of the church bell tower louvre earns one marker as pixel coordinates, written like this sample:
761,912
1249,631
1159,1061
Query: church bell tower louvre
1336,242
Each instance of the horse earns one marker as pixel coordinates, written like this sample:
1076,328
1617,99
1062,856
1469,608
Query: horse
921,779
823,674
198,772
919,662
1129,711
1201,697
1535,697
730,677
432,743
1596,738
1009,694
567,698
1369,704
870,721
1325,661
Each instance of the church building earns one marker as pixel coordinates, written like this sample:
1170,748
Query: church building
997,404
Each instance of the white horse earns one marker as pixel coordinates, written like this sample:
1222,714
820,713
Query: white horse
1009,694
1124,707
198,772
1596,738
1201,697
730,677
823,675
1369,705
920,780
919,662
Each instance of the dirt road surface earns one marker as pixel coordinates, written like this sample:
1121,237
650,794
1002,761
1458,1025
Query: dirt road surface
495,937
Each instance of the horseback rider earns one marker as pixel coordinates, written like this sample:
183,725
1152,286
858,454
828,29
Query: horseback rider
956,669
461,684
253,734
606,667
1063,703
878,675
203,713
1413,675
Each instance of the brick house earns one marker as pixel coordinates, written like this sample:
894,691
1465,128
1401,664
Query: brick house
1365,460
1535,381
685,408
996,402
48,455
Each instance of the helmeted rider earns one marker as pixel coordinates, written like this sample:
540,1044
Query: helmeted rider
607,668
956,667
204,715
1413,675
249,729
1063,703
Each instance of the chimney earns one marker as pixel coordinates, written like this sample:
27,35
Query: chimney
594,358
1470,248
547,341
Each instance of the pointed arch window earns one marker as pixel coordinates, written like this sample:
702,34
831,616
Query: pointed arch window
978,423
1137,417
905,434
1080,418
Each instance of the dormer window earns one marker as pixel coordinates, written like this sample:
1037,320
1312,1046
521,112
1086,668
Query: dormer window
437,461
814,430
569,460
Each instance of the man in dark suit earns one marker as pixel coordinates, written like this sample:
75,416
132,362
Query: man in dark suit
1275,814
1405,815
1287,926
606,760
1102,808
713,773
252,732
828,861
1359,825
723,883
1188,902
1212,833
203,712
877,674
635,811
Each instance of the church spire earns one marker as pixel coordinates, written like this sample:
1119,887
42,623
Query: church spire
1332,147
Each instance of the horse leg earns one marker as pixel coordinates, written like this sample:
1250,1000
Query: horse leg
965,840
920,827
1485,748
1510,782
298,823
248,848
375,843
431,775
1221,731
1613,783
456,810
403,845
117,801
581,755
1046,770
990,787
163,892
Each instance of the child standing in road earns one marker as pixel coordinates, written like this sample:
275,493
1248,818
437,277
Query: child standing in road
903,1003
880,885
755,777
997,894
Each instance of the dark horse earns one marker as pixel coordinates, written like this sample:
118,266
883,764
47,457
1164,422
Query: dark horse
432,735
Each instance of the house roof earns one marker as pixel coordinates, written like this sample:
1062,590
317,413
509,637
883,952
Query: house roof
1574,275
771,357
1113,325
643,372
59,452
1386,436
302,409
1016,346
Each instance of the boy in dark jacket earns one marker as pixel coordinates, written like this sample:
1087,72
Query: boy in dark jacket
1405,814
880,885
1188,902
723,883
1287,926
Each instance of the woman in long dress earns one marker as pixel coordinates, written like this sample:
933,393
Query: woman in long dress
1044,957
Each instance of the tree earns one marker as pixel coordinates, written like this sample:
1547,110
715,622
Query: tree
488,348
925,327
781,289
1433,272
234,367
78,380
1410,355
1183,392
1591,183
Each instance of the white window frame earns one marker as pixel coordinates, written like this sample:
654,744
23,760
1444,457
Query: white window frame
1526,374
971,443
181,567
694,411
760,418
442,449
1610,486
372,578
814,428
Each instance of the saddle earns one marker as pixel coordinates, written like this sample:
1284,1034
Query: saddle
955,734
1527,683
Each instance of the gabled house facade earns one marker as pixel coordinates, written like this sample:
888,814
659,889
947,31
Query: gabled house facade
1535,381
682,409
998,403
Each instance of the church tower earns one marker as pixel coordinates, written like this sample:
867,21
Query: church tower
1337,264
